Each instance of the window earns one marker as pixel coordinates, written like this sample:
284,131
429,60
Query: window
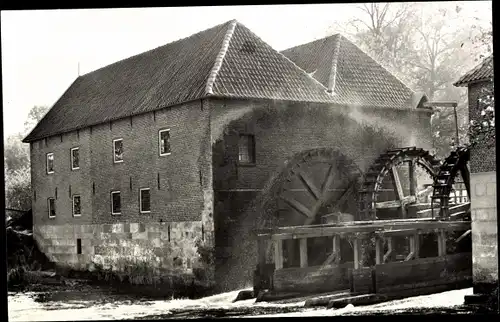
116,206
77,208
52,207
164,142
246,149
75,158
50,163
78,246
118,150
144,200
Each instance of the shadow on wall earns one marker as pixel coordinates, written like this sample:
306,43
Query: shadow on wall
356,135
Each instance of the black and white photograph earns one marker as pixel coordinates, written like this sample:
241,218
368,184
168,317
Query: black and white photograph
237,161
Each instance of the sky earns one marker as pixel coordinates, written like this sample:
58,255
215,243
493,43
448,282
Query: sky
43,51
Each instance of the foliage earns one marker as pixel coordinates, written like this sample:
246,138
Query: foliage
482,127
419,43
17,164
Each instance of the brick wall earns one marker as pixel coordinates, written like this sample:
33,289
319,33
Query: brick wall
281,131
183,195
180,195
483,158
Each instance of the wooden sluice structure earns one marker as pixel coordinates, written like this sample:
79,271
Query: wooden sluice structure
361,278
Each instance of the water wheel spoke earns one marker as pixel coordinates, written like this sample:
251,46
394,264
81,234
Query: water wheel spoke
311,187
329,180
298,206
398,188
412,177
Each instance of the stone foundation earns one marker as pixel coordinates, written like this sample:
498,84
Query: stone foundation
484,232
167,248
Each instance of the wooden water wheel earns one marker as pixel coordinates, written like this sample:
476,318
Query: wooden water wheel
453,175
391,188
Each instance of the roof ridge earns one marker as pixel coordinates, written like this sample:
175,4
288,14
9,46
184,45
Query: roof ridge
335,58
378,63
313,41
220,57
286,58
156,48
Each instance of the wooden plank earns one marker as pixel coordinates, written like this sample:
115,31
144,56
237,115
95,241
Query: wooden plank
362,280
463,235
312,279
336,248
459,208
303,252
278,254
395,203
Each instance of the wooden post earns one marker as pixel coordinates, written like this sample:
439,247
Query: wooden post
356,252
412,248
262,255
441,242
336,248
278,254
413,179
417,245
389,249
290,247
379,249
303,252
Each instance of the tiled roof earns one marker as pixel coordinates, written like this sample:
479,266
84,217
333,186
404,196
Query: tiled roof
227,60
357,78
481,72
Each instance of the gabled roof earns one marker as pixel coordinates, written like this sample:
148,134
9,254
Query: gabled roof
227,60
355,77
483,71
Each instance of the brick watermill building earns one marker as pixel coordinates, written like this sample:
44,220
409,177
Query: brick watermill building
202,144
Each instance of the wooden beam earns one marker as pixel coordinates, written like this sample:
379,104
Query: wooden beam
310,185
398,188
307,232
379,249
261,244
298,206
389,249
459,208
329,179
336,248
413,178
442,237
278,254
463,235
355,246
395,203
417,244
303,252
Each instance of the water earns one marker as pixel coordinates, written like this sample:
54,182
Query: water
91,303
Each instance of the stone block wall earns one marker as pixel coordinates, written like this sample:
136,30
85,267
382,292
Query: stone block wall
484,231
169,248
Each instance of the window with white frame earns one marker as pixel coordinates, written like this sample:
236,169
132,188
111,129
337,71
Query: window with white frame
77,206
118,150
145,200
75,158
164,142
51,204
50,163
246,147
116,203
